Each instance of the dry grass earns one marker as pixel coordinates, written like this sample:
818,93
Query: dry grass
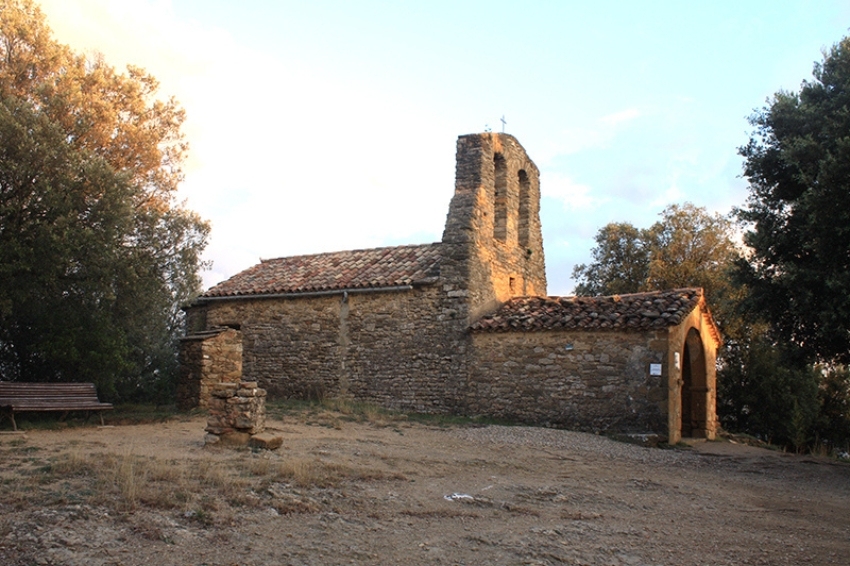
208,487
205,488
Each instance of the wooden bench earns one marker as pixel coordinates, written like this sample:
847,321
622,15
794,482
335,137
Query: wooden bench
24,397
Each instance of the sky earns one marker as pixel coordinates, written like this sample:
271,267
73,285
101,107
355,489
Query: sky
317,126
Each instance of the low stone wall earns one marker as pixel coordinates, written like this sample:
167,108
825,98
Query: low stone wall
594,381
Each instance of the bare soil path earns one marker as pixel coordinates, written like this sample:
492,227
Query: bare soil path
396,492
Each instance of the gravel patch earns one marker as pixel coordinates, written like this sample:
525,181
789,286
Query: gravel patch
586,444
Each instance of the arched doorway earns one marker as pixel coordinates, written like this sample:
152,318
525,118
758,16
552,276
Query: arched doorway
694,387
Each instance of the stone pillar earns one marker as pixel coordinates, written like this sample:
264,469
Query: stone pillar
237,414
206,359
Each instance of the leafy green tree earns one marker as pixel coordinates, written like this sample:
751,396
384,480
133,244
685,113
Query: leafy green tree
620,262
691,248
688,247
797,163
59,210
114,115
96,255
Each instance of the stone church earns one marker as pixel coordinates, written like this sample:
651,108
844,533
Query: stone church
461,326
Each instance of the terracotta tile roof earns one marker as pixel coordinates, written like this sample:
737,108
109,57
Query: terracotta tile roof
637,311
353,269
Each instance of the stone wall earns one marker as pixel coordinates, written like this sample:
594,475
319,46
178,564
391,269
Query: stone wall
406,350
594,381
206,359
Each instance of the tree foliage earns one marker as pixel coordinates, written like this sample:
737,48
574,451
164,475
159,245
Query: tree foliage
96,255
688,247
620,262
691,248
797,163
762,393
833,425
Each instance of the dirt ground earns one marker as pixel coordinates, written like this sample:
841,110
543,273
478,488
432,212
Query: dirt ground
344,491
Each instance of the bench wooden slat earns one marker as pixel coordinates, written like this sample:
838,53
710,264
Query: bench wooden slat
42,391
56,399
18,396
47,406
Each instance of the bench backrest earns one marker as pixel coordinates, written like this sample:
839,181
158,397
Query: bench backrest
10,389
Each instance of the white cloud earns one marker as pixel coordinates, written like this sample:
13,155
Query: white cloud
570,141
574,196
621,117
594,133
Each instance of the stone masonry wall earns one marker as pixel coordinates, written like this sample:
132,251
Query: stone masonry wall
405,350
594,381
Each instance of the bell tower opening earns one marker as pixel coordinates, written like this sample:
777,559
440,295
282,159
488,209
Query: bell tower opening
500,198
524,206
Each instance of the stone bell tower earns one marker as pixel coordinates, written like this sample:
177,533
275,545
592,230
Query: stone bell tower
492,242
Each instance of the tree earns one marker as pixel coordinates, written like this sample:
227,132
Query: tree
96,256
763,393
620,262
833,426
688,247
691,248
797,163
113,115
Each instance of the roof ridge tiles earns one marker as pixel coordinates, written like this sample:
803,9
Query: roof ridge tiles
632,311
354,251
382,267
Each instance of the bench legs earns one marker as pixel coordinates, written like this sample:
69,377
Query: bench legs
99,413
11,415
